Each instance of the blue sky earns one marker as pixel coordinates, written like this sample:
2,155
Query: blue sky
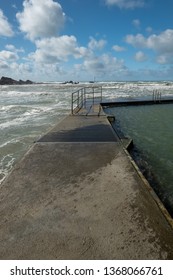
111,40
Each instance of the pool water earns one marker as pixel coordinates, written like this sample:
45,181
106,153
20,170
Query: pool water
151,128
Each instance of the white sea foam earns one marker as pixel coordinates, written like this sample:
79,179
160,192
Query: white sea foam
6,164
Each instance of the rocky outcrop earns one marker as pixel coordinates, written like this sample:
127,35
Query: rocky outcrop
9,81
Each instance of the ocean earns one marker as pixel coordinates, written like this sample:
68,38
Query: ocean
29,111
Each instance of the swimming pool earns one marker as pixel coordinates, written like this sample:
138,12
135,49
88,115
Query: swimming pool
151,128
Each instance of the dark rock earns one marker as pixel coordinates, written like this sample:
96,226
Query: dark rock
28,82
9,81
70,82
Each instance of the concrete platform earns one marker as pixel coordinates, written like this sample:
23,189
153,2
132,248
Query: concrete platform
77,195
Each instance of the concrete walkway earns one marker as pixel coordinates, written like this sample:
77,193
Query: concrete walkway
77,195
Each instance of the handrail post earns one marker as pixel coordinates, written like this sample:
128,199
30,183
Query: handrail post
93,95
101,93
157,96
79,97
72,104
82,98
85,96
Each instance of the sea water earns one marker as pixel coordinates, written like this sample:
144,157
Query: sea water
29,111
26,112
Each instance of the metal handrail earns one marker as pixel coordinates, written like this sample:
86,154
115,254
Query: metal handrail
157,96
80,97
77,100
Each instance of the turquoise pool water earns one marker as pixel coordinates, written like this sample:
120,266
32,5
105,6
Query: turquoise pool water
151,128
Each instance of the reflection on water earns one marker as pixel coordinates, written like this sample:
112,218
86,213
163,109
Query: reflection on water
151,128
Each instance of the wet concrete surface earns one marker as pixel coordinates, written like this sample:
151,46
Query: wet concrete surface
80,198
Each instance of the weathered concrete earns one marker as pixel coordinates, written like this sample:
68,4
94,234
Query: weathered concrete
80,198
81,129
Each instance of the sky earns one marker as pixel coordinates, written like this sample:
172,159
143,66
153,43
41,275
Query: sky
82,40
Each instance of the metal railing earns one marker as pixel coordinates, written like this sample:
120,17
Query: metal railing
157,96
84,97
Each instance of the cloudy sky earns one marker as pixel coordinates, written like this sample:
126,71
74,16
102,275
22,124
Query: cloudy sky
111,40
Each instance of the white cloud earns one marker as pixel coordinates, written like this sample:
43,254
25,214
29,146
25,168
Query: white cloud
136,40
126,4
17,70
161,44
22,68
118,48
140,56
5,27
162,59
149,29
136,23
3,65
94,65
13,48
56,49
10,47
102,65
8,55
165,58
40,19
94,44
